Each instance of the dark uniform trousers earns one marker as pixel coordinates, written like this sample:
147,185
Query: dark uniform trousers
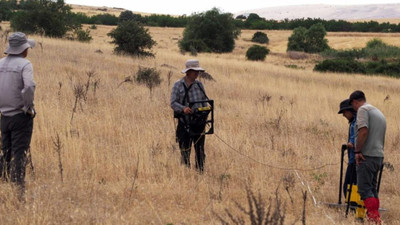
16,134
186,140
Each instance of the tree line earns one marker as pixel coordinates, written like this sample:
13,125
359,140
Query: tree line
11,8
254,21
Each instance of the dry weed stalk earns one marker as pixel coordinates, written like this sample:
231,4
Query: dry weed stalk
5,35
79,94
265,98
41,45
90,74
57,147
127,79
259,212
59,89
169,78
96,84
134,181
289,182
29,161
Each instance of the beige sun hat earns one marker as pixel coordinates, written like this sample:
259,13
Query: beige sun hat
192,64
17,43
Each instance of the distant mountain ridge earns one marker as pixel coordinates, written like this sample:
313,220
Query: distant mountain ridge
328,12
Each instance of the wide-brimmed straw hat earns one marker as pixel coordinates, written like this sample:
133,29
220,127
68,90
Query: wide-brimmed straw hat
17,43
192,64
345,105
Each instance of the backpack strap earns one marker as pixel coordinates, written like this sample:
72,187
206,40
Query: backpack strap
202,90
186,96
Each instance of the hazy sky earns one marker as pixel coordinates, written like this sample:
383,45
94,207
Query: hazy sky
179,7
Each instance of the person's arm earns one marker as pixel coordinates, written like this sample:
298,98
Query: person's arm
361,139
362,133
352,136
28,92
175,101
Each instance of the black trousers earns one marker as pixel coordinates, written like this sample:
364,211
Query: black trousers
186,140
16,134
350,177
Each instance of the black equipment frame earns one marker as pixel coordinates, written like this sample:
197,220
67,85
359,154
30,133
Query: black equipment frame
209,122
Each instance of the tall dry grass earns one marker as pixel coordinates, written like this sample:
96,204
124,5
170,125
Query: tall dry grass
121,164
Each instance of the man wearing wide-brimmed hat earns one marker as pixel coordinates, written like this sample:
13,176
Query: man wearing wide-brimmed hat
186,90
17,89
346,109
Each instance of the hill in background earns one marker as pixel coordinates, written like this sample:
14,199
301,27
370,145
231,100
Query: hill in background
352,12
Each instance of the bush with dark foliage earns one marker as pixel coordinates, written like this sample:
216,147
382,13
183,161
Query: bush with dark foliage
260,37
210,31
132,38
257,53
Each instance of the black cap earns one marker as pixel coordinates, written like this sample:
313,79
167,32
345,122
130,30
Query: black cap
357,95
345,105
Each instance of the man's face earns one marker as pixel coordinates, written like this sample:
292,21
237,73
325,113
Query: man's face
356,104
348,115
192,74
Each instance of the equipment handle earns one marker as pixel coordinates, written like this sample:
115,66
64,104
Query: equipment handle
344,147
379,178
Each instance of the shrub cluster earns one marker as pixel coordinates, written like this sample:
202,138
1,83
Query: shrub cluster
211,31
260,37
50,18
149,77
310,40
83,35
375,49
341,65
352,66
257,53
131,38
379,54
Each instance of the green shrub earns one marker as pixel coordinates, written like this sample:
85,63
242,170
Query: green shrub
194,46
297,41
315,39
149,77
83,35
374,43
132,38
50,18
341,65
210,31
349,53
383,67
93,27
312,40
260,37
257,53
375,49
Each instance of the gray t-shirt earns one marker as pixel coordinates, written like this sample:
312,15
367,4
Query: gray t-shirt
372,118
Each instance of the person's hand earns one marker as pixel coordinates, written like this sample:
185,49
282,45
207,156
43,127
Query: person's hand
359,158
350,145
31,112
187,110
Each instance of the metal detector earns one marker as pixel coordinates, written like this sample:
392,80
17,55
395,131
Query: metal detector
202,116
349,200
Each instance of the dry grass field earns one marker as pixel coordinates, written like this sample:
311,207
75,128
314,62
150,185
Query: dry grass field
91,10
121,164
